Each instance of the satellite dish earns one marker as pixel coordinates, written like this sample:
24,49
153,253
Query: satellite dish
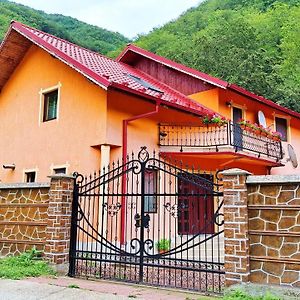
292,156
262,119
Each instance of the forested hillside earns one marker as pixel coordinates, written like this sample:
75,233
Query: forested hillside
254,43
92,37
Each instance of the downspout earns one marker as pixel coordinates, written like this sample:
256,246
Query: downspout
124,161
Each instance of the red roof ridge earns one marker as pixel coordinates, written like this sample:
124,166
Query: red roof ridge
62,40
63,56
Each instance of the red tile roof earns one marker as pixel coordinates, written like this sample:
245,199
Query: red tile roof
202,76
106,72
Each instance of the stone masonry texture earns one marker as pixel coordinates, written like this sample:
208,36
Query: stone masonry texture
23,218
274,228
236,236
59,219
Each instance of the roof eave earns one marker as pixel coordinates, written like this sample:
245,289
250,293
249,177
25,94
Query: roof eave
98,80
263,100
196,112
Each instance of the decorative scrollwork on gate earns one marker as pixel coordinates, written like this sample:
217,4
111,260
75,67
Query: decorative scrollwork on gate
135,244
219,219
112,209
175,209
78,178
148,244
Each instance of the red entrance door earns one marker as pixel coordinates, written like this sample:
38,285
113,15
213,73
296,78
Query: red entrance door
195,205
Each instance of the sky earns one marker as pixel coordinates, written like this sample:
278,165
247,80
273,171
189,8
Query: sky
129,17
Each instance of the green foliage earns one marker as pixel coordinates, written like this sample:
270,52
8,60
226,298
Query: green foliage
241,295
28,264
163,245
85,35
253,43
73,286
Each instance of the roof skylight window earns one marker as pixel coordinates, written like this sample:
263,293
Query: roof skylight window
144,83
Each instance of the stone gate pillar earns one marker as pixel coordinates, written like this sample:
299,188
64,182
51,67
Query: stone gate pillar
236,233
59,220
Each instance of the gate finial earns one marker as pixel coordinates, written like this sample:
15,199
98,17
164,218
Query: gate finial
143,155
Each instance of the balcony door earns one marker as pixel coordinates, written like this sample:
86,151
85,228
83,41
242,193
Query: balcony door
237,114
195,206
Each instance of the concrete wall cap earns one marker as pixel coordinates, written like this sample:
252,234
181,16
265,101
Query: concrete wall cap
61,176
235,171
273,179
24,185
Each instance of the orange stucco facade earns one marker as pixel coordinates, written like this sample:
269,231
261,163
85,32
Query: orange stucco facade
31,144
90,117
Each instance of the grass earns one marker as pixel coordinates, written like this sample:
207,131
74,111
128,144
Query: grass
28,264
73,286
241,295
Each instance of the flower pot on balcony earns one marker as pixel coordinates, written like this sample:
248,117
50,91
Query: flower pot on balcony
264,133
257,132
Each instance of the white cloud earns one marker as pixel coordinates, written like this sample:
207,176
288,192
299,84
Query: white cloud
128,17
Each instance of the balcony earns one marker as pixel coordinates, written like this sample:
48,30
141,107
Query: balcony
214,138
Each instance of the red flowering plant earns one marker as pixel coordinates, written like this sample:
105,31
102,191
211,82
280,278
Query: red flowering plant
259,130
277,136
246,125
214,119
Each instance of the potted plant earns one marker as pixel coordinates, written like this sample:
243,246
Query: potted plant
214,120
277,136
163,245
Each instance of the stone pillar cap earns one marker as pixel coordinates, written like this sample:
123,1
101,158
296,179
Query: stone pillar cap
235,171
59,176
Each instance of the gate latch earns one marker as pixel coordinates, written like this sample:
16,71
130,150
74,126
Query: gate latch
146,221
142,222
138,220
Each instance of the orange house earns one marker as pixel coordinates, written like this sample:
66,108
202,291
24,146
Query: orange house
64,108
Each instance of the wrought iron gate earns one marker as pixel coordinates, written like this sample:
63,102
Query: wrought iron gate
149,221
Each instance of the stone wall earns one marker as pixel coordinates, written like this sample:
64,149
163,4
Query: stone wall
274,231
262,228
37,215
23,217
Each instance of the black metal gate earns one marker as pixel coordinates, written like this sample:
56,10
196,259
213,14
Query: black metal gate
149,221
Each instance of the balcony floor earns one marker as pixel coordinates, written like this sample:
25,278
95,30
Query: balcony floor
223,157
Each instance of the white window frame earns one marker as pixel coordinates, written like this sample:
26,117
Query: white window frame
288,124
53,167
42,93
28,171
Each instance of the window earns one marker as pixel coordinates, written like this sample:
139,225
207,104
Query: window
150,191
50,105
30,176
60,171
281,126
144,83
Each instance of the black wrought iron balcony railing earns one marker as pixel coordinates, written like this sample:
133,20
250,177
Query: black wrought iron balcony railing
229,134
